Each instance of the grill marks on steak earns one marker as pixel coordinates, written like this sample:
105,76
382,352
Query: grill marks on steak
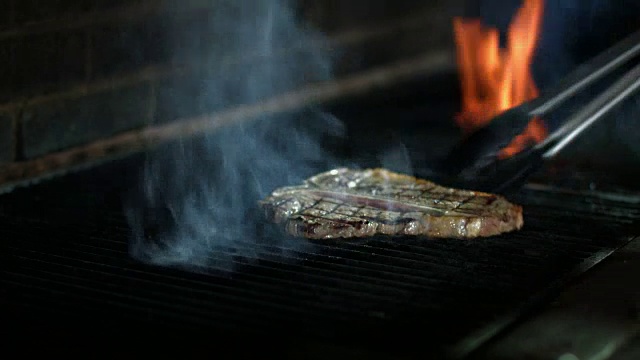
345,203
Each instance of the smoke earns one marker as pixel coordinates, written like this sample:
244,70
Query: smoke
196,207
397,158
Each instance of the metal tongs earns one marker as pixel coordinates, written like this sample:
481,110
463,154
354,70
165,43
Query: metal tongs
474,162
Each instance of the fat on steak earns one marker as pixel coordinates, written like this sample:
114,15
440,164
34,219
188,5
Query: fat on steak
349,203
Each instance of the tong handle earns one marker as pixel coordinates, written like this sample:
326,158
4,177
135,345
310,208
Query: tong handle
505,175
586,74
626,86
481,147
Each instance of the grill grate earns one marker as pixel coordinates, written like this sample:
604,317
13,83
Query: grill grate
64,263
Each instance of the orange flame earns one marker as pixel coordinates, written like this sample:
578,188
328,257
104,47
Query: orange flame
493,79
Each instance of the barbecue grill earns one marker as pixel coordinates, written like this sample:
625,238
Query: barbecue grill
66,268
68,274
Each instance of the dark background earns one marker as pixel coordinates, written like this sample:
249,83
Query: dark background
77,71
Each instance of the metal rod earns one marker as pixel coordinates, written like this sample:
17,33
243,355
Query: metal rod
586,74
592,112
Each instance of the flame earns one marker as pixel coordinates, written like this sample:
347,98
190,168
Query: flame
494,79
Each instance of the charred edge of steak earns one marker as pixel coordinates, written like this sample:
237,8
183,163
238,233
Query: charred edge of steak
455,227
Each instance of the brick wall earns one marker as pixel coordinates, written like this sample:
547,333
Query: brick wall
76,71
406,27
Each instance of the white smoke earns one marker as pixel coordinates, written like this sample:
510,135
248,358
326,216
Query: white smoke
197,203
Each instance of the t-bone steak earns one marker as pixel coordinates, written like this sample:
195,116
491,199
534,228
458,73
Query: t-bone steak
349,203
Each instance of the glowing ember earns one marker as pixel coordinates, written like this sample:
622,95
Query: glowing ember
493,79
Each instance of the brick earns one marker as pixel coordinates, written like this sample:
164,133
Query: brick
6,15
392,47
102,5
122,48
6,69
47,62
7,144
183,97
336,15
55,126
192,35
30,11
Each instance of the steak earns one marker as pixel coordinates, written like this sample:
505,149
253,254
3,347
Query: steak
348,203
